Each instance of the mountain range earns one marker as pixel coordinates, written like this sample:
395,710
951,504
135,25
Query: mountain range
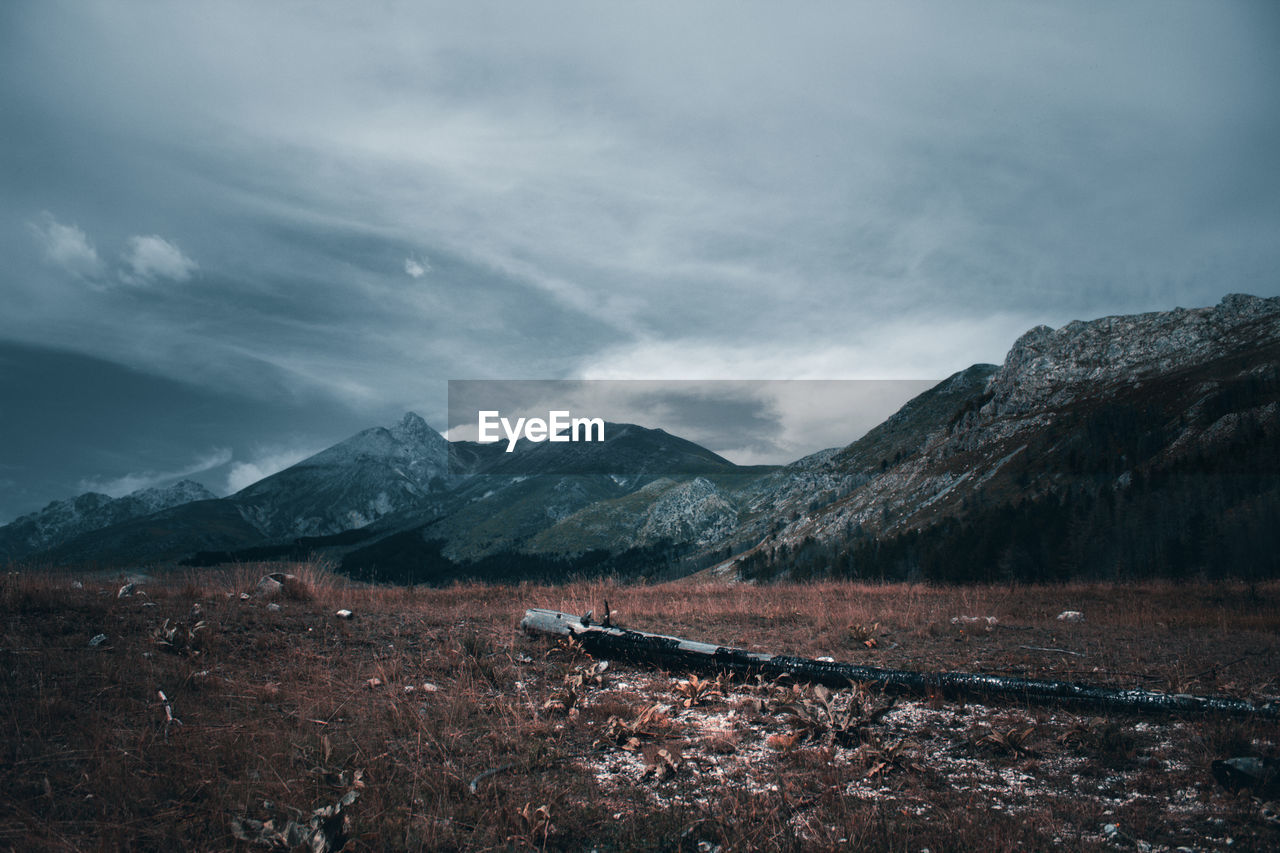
1125,446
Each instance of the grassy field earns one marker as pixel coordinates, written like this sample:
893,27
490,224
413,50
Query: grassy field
427,722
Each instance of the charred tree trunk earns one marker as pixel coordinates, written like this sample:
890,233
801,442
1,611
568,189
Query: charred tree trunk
674,653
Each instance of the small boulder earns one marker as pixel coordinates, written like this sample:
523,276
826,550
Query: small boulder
344,614
1071,616
97,640
280,583
126,590
268,587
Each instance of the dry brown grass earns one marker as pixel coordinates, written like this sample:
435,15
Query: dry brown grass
279,709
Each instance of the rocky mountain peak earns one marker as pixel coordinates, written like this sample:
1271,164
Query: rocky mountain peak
184,491
1046,366
90,511
413,429
373,473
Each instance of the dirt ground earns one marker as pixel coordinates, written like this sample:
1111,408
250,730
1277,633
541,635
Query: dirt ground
210,716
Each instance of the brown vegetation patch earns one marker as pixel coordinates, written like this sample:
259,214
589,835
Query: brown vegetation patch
457,732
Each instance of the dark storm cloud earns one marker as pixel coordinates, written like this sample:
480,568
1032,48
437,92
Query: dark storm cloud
300,202
72,423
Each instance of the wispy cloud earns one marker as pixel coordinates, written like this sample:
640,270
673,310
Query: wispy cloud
265,463
919,347
145,259
416,267
151,257
66,247
120,486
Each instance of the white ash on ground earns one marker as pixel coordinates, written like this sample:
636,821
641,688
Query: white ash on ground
918,757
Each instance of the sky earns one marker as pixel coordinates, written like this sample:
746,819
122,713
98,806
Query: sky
234,233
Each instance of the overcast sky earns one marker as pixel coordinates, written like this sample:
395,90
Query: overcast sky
236,232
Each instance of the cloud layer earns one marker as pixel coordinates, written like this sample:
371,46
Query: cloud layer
118,487
264,463
245,197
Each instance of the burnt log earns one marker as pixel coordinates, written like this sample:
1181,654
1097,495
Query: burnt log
674,653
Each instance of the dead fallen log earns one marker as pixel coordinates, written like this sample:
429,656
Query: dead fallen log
607,641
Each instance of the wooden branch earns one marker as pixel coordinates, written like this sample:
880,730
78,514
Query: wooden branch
676,653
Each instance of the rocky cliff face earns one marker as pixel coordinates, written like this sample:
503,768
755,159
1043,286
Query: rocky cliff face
1103,401
1048,367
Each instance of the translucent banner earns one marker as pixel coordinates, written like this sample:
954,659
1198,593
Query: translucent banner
659,427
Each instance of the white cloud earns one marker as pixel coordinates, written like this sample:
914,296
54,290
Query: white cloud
67,246
416,267
152,257
132,482
914,347
741,195
268,462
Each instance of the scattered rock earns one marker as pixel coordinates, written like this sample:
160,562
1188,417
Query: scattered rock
273,607
126,590
344,614
1071,616
279,583
1115,835
270,585
77,585
97,640
427,687
373,682
989,621
244,596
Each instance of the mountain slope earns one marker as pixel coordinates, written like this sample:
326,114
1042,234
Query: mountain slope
1122,446
208,525
395,483
1079,433
374,473
66,519
523,503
